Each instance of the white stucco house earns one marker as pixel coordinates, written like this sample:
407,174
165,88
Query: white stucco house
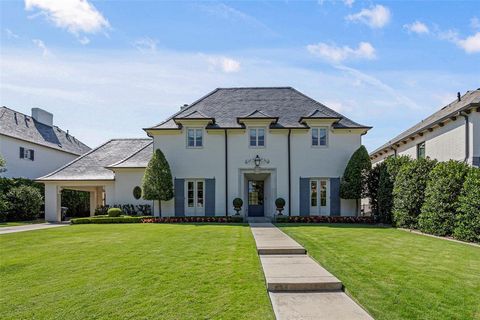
33,146
453,132
257,144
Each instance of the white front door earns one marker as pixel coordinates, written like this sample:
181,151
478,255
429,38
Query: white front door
195,197
319,197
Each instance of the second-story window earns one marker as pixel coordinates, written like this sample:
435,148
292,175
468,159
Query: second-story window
421,150
319,137
194,138
27,154
257,137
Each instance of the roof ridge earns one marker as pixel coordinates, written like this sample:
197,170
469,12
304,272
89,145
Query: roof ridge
130,156
254,88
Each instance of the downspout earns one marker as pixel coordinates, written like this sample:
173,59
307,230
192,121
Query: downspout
289,176
226,173
467,136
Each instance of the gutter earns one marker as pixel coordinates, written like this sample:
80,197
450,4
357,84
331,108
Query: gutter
467,136
226,173
289,176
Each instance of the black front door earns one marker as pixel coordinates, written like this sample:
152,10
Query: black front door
255,198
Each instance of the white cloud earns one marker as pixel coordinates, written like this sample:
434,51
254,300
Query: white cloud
227,65
11,34
417,27
376,17
470,44
338,54
41,45
348,3
84,40
146,44
475,23
76,16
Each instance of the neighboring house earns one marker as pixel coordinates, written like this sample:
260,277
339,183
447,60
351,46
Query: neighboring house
32,146
257,144
452,132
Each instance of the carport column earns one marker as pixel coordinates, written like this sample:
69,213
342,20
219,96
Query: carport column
53,198
93,202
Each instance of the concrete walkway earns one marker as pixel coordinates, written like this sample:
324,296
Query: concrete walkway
298,286
30,227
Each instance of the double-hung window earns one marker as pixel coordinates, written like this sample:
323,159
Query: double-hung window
194,137
27,154
257,137
319,137
421,150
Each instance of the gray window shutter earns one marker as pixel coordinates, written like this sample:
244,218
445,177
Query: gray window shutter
32,155
179,186
334,196
22,152
210,197
304,197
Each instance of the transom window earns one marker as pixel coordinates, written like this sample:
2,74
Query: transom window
421,150
319,137
194,137
257,137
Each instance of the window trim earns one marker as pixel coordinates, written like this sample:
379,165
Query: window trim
326,137
195,129
424,150
256,146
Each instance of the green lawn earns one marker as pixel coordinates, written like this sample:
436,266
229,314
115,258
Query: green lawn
395,274
134,271
20,223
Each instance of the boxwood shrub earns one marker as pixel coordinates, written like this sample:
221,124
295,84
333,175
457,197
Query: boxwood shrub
114,212
467,219
445,183
408,191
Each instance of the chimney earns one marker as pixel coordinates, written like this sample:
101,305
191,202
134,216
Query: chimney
459,97
184,106
42,116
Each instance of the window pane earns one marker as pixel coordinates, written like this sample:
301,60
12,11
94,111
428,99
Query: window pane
261,137
253,137
191,138
313,193
190,194
199,137
200,194
314,137
323,193
323,137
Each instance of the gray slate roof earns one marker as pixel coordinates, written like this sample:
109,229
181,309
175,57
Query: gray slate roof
91,166
452,109
138,159
20,126
225,105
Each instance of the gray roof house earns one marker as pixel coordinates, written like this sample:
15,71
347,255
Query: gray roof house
453,132
33,146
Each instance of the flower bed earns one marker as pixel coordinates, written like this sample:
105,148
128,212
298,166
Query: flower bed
323,219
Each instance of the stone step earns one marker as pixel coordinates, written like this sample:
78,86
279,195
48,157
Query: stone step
270,240
287,273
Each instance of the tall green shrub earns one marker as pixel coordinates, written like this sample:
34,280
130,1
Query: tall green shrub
3,164
372,188
408,191
24,203
467,219
157,182
445,183
354,180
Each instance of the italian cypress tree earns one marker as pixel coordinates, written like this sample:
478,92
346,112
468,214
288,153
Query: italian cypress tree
354,180
157,181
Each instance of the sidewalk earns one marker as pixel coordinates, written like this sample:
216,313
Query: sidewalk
298,286
30,227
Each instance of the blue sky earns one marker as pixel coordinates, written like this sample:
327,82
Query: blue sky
109,68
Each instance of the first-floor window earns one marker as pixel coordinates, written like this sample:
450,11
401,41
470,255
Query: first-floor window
318,193
421,150
28,154
195,193
194,137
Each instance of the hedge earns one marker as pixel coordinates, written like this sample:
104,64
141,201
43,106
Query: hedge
408,191
323,219
106,220
445,183
23,203
150,219
467,219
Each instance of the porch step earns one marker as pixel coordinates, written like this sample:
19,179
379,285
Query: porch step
270,240
287,273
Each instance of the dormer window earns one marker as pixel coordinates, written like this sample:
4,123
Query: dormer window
257,137
194,138
319,137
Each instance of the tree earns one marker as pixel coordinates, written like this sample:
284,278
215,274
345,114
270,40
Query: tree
445,183
24,203
467,219
372,188
354,180
3,164
157,182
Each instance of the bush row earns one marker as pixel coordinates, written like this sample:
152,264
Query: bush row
323,219
150,219
106,220
127,209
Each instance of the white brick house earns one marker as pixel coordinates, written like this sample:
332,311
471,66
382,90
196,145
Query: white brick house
257,144
452,132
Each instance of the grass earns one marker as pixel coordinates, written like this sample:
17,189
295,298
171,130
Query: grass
135,271
395,274
20,223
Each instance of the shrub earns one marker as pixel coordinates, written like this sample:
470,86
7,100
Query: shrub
107,220
372,187
24,203
114,212
214,219
445,183
324,219
157,181
280,203
3,209
408,191
467,219
353,184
